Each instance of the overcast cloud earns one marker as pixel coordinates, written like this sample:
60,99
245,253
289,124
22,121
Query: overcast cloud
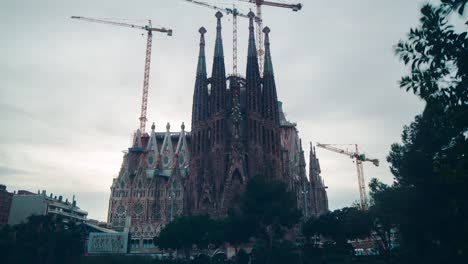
70,90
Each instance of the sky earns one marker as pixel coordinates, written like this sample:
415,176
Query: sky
70,90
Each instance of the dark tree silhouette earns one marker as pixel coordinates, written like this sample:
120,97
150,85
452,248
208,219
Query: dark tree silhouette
270,207
341,226
184,232
42,239
430,166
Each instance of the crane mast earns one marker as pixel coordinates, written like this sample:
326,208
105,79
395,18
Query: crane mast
149,29
235,13
359,158
259,4
234,41
260,43
144,97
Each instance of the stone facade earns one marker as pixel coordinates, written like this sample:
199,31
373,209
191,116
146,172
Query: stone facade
318,193
236,135
237,131
311,194
150,188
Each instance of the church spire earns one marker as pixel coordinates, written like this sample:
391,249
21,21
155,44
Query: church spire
253,73
200,95
201,67
270,104
314,165
218,74
268,64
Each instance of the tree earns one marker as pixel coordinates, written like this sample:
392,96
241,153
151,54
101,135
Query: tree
242,257
270,207
184,232
388,204
279,252
42,239
437,58
237,229
430,166
341,225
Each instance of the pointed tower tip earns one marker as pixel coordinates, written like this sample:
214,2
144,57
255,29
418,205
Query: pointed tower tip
267,30
219,42
268,66
251,50
202,30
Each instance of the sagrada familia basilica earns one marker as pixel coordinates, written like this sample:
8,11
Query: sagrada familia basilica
238,130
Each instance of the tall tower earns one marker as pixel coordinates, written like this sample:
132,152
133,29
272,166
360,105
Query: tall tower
254,119
318,193
271,134
200,130
217,130
238,136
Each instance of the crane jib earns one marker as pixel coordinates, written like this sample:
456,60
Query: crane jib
149,29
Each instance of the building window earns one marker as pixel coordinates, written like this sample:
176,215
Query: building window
148,243
135,243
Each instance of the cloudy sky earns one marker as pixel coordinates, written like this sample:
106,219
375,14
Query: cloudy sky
70,90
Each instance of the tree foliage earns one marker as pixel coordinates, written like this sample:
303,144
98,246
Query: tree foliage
458,5
269,206
437,58
184,232
428,202
266,210
237,229
341,225
42,239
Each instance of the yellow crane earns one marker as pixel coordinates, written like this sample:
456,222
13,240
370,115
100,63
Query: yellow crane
149,29
359,159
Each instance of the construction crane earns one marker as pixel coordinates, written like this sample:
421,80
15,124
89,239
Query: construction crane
149,29
259,4
235,13
359,159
